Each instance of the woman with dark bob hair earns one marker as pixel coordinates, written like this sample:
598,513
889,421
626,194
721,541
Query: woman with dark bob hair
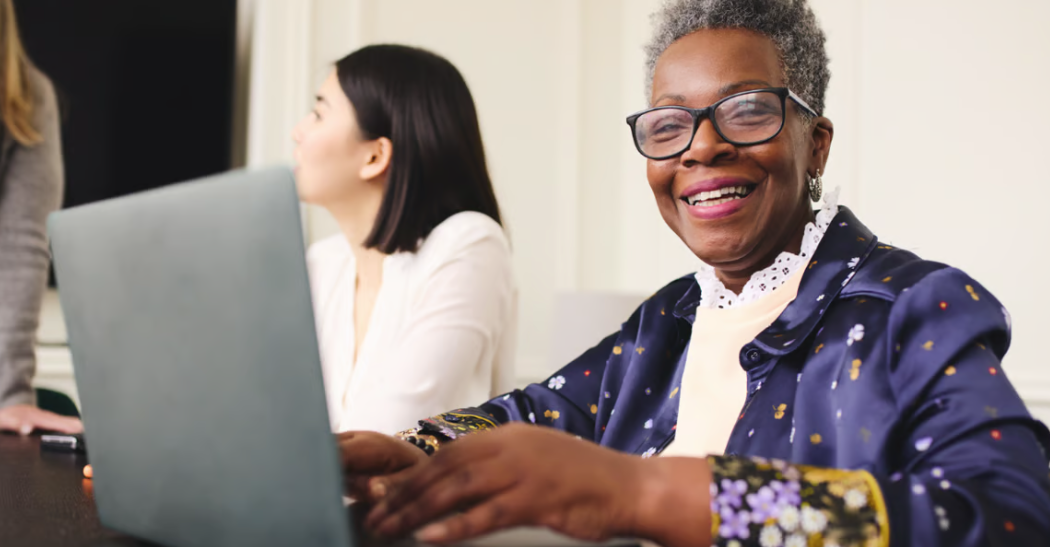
414,300
810,386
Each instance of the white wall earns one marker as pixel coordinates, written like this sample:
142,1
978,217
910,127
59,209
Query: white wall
939,104
553,80
939,144
931,122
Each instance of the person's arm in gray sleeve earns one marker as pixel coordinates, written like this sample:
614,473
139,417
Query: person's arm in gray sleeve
31,186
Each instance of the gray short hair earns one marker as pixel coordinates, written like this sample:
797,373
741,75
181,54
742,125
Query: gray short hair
789,23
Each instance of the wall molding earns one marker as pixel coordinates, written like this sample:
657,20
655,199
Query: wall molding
55,371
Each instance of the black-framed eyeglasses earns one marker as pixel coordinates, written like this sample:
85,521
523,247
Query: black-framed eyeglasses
742,119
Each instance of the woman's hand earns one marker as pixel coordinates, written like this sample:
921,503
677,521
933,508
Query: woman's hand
521,475
25,419
365,455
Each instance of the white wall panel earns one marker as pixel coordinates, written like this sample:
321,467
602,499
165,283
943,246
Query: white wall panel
940,144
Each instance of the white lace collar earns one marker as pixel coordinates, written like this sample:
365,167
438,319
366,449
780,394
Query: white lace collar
713,294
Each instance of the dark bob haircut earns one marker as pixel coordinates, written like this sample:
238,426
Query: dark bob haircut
421,103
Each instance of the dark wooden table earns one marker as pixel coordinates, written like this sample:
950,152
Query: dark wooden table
45,500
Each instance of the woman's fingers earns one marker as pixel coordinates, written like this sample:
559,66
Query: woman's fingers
496,479
457,490
357,486
25,419
53,422
405,489
500,512
10,422
366,453
374,488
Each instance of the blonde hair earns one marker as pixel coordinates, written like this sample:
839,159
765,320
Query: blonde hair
16,92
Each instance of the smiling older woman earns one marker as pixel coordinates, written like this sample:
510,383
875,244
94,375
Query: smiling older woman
875,408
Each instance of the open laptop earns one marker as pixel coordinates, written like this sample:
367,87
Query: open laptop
195,355
192,334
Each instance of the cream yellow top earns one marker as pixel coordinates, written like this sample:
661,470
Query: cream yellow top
714,384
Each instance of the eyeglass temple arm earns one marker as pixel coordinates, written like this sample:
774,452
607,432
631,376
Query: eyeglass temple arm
802,103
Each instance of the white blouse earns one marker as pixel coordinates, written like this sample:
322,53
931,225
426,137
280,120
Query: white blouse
441,335
713,294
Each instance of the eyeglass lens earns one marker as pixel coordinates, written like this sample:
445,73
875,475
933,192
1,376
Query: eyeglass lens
743,119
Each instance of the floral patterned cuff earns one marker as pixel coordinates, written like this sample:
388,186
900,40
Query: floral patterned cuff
771,503
458,423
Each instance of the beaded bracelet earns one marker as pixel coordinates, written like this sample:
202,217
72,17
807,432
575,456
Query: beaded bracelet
428,447
426,443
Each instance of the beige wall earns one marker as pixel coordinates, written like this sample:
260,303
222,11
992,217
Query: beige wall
553,80
940,139
939,106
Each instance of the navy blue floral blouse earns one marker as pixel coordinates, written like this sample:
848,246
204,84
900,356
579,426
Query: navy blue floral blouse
877,412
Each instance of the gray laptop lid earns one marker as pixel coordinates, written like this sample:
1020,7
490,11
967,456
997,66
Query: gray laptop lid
196,360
